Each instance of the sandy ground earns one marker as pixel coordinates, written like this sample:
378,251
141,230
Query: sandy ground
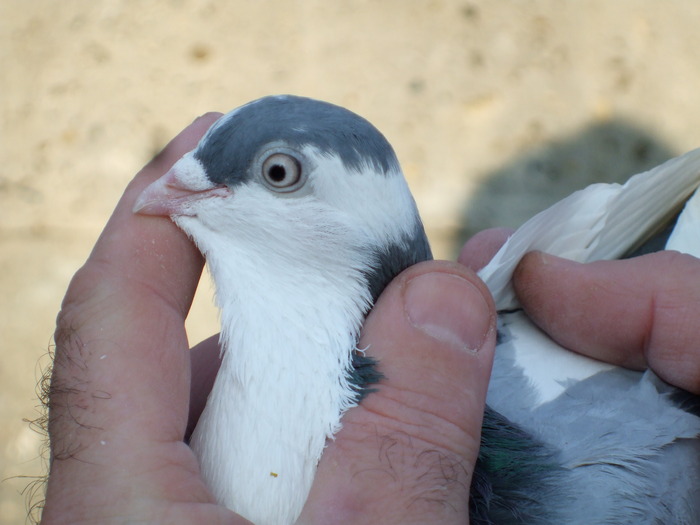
495,108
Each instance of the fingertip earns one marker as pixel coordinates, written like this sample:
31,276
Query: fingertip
183,142
480,248
433,332
431,309
449,308
208,118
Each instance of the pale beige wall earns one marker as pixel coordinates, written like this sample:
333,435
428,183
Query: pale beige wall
488,103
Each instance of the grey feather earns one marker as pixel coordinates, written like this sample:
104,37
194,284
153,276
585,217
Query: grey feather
627,443
619,438
390,260
233,142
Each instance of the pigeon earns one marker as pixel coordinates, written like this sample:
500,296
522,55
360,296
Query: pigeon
303,215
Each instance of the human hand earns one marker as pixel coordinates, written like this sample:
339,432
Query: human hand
636,313
121,385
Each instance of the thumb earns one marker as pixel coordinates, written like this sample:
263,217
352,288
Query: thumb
406,453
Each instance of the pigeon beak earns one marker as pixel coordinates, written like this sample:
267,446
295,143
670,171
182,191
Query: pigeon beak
175,193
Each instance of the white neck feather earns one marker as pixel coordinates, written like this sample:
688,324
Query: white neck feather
289,325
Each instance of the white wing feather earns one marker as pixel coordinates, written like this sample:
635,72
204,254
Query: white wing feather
602,221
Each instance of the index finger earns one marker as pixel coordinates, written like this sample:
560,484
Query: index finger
634,313
121,365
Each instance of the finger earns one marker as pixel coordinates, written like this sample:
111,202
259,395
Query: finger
121,370
406,453
205,359
634,313
480,249
126,304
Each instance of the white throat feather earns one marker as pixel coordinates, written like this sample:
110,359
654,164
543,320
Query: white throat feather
293,296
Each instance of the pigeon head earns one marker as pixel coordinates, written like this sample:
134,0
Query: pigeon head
299,180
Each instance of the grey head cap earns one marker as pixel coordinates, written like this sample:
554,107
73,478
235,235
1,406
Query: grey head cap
231,144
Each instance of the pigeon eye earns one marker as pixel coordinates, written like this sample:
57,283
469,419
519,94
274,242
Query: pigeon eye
281,171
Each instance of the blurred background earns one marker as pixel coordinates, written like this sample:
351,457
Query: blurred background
495,108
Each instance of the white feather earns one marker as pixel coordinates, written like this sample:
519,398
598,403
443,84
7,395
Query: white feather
292,295
686,235
602,221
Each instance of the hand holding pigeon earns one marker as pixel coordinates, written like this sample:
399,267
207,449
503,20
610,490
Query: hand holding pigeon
119,399
315,203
